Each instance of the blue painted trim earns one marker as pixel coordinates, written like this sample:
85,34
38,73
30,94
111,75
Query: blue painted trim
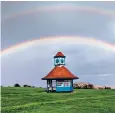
62,89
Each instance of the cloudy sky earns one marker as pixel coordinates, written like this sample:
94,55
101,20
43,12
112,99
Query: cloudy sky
24,21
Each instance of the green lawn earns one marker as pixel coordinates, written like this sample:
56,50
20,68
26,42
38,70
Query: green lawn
35,100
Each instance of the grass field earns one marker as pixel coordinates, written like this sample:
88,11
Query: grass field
35,100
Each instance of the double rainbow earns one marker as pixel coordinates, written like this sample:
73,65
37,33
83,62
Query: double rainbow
62,39
59,40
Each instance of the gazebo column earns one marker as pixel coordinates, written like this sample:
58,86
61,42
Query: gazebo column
47,85
51,85
72,82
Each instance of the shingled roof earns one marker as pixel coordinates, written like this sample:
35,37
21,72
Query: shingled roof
60,72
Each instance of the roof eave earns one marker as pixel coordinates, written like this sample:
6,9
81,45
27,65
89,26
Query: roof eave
59,56
59,78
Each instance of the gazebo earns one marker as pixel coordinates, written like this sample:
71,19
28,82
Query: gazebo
59,79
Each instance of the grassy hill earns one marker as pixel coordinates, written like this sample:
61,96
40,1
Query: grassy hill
35,100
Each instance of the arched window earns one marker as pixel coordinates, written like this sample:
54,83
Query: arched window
62,61
57,60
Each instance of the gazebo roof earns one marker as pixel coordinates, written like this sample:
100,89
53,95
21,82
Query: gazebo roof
60,72
59,54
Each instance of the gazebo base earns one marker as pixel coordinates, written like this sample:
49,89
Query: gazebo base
58,91
54,91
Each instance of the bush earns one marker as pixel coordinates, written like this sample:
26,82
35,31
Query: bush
107,87
26,85
16,85
82,85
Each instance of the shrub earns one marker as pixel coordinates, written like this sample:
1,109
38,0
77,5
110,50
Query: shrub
81,85
107,87
26,85
16,85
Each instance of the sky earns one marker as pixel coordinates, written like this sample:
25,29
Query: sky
26,21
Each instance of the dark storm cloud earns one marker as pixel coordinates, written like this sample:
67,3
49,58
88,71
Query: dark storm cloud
35,25
30,65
